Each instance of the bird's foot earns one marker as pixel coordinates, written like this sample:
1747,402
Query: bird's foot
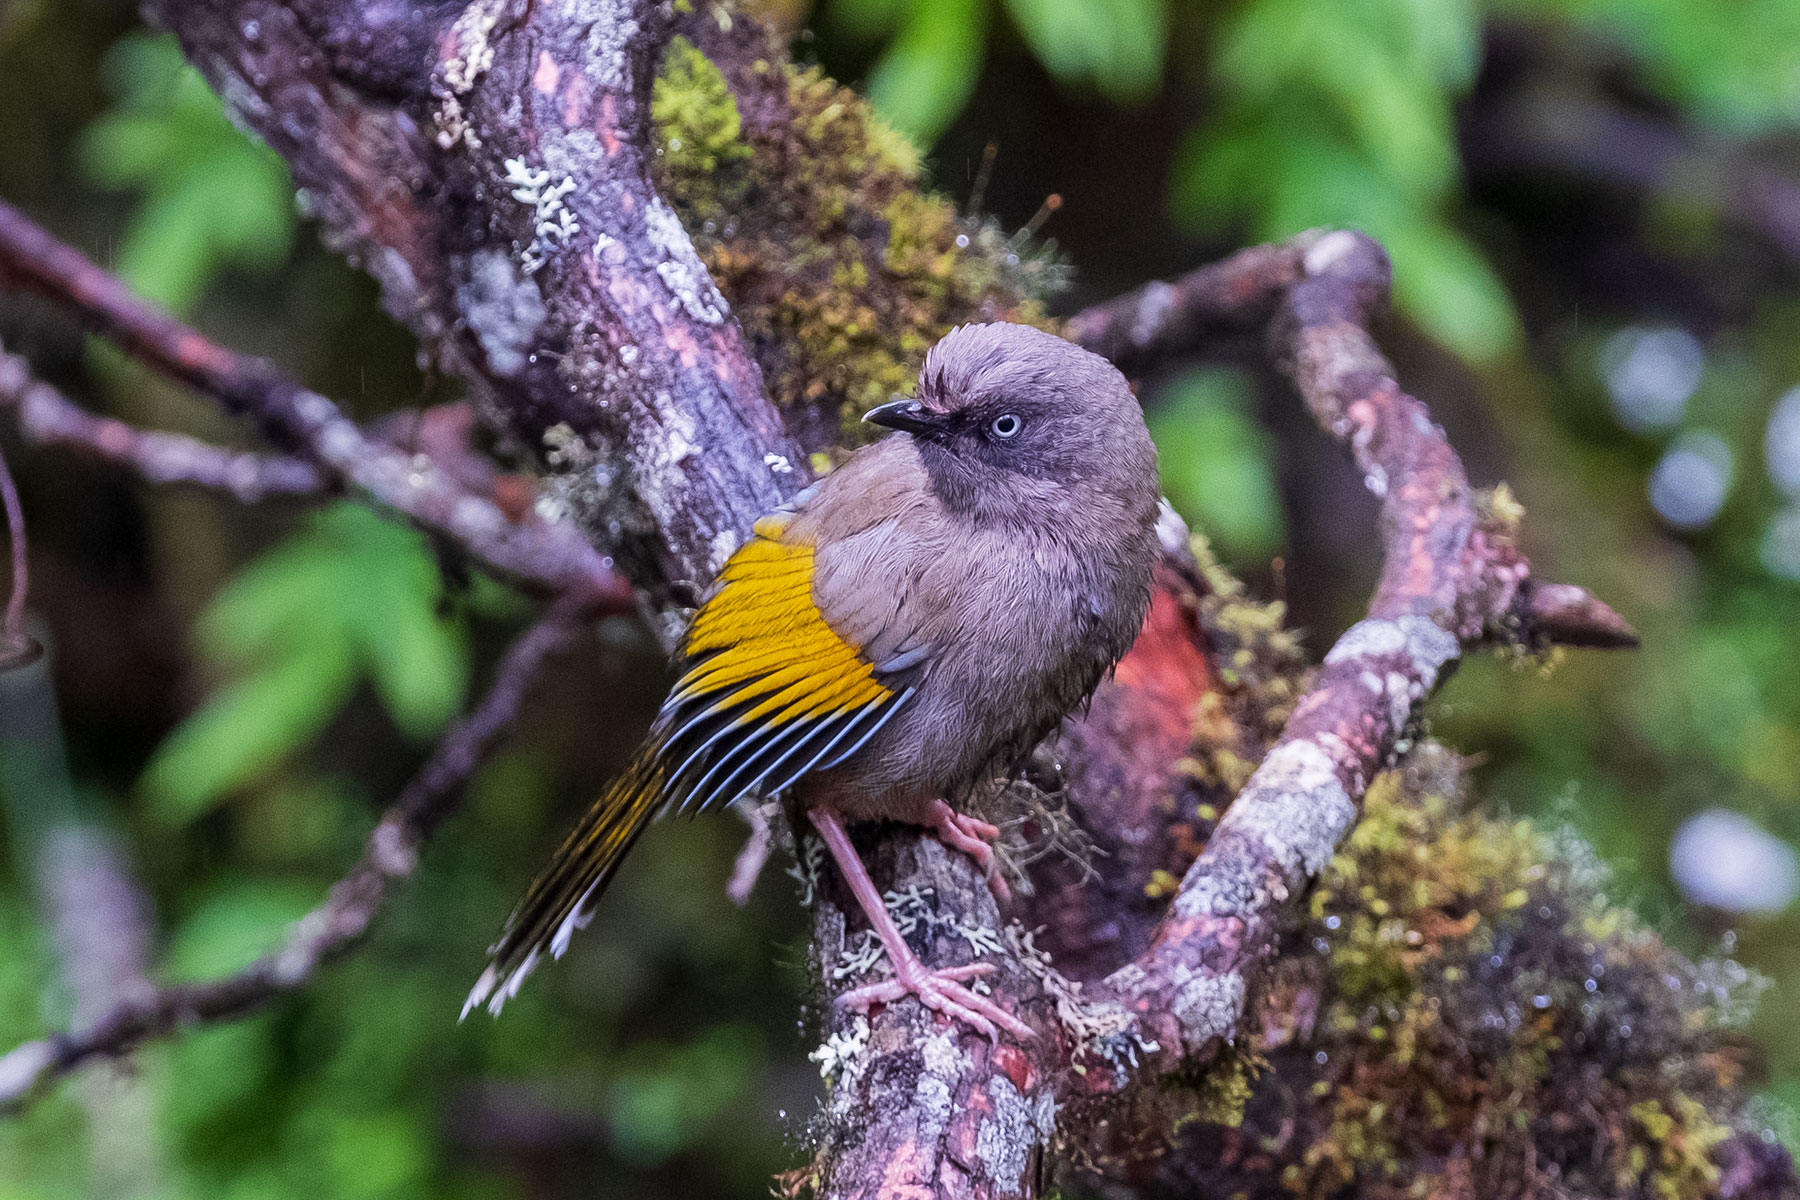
941,991
973,837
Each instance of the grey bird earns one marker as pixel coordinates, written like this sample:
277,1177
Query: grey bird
900,632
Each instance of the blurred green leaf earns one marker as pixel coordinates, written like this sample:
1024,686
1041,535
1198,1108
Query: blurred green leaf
246,729
666,1098
1360,138
925,77
1735,65
211,198
1217,462
351,597
1117,45
375,1154
236,926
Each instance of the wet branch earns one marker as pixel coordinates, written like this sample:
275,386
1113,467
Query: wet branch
46,417
1452,578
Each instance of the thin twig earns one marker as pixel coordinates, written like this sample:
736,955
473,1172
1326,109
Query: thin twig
551,555
754,855
392,852
1159,320
14,630
48,418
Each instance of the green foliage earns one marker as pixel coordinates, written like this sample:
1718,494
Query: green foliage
209,197
665,1099
1116,45
1734,66
1216,460
352,597
934,50
1361,136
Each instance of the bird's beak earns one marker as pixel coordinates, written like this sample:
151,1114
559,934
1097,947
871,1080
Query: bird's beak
908,415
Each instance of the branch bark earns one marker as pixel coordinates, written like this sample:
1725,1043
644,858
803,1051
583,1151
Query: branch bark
506,207
548,554
48,418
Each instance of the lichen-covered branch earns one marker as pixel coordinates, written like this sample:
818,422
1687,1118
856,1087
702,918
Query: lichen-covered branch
1163,320
1452,576
500,192
338,923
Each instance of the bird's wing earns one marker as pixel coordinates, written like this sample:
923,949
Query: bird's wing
784,673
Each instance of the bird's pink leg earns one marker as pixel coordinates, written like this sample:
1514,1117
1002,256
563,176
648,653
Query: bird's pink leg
974,838
940,990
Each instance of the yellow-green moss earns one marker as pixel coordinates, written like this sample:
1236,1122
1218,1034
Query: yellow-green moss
699,129
841,270
1260,668
1465,1013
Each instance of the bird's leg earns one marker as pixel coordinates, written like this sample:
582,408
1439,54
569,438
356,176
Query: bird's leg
974,838
939,990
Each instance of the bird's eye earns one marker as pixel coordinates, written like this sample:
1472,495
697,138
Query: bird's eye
1006,425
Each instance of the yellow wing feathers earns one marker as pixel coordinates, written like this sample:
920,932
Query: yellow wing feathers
769,693
761,634
561,899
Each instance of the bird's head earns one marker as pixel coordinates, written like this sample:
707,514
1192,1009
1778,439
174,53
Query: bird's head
1007,415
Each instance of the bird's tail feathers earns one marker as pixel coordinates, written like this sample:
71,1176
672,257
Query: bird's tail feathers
562,898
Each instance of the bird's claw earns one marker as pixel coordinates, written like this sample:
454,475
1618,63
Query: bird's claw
973,837
941,991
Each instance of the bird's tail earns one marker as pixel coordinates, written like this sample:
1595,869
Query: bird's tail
562,898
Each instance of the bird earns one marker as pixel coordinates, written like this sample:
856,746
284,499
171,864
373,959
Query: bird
901,631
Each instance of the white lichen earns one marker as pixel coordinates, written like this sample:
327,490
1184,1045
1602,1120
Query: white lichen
1295,807
679,267
858,957
503,311
1008,1134
455,77
809,857
837,1056
553,224
1098,1030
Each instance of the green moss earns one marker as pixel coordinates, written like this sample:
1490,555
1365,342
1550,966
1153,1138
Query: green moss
839,268
1260,668
699,129
1474,1015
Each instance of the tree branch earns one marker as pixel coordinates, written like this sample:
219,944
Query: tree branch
549,555
47,418
1160,319
509,215
392,853
1452,577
